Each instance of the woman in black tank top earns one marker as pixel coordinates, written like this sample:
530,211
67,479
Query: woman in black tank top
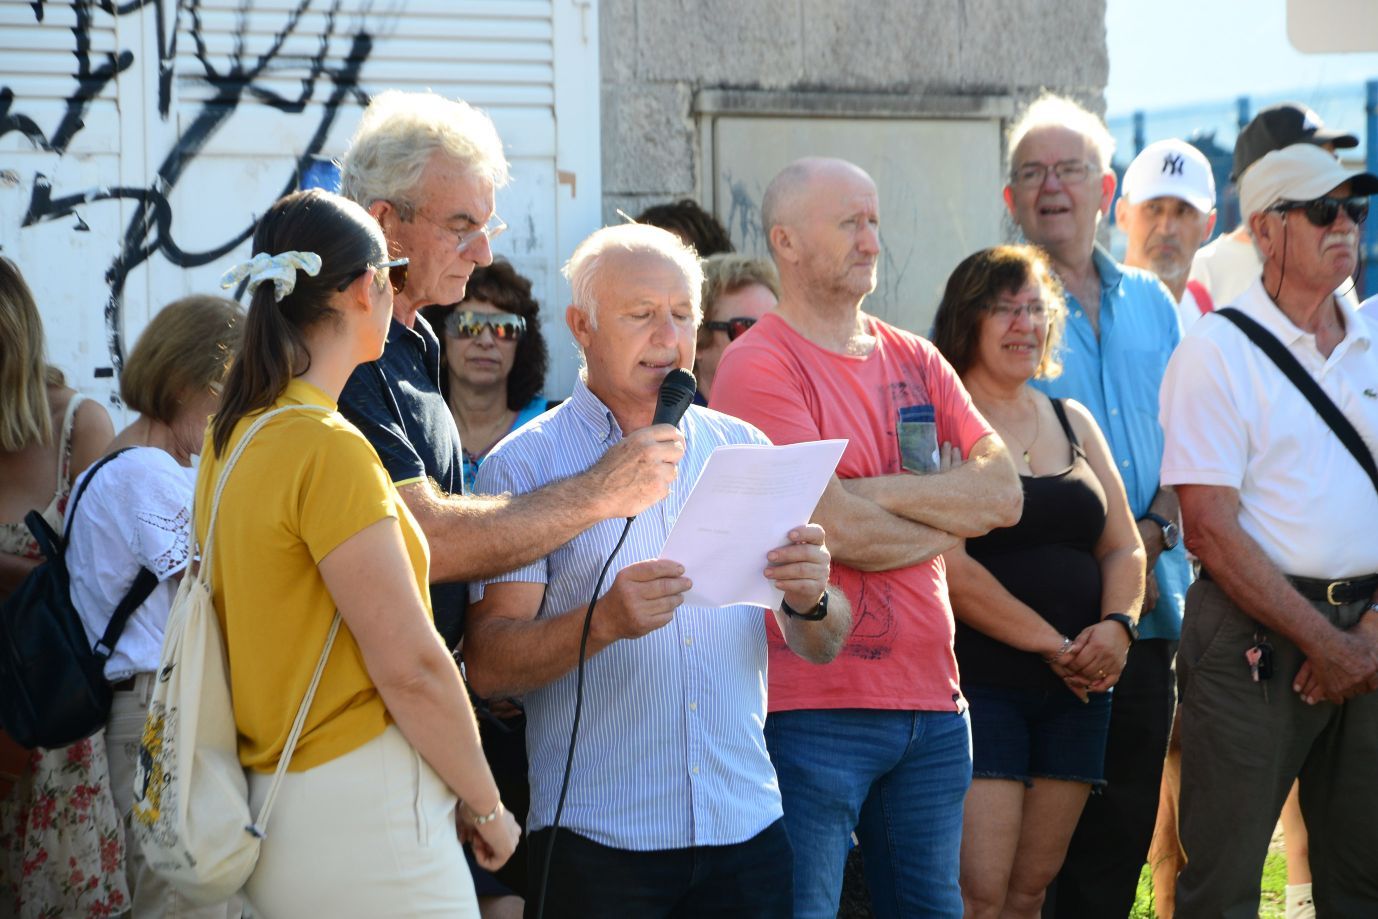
1045,607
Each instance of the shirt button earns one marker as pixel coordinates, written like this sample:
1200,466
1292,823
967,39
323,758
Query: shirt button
688,640
1124,463
1077,314
1114,411
695,770
693,706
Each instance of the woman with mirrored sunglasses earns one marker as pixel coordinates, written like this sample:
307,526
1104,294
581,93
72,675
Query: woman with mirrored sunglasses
493,360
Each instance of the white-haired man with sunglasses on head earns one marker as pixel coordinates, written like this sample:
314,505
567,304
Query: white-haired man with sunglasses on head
1279,654
427,168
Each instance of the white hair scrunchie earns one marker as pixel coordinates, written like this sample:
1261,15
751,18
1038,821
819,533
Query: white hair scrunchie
281,269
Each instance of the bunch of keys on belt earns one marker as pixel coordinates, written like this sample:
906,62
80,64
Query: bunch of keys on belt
1260,659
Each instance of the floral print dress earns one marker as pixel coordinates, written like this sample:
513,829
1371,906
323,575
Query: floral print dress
61,841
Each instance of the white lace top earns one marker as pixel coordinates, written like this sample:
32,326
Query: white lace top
137,513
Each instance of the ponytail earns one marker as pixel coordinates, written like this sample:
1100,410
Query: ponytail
275,350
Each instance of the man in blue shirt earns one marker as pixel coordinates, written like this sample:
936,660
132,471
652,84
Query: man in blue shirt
1122,326
674,806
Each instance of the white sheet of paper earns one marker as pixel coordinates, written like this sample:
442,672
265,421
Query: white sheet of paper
744,504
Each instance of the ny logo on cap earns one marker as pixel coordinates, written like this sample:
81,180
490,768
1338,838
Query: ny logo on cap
1173,163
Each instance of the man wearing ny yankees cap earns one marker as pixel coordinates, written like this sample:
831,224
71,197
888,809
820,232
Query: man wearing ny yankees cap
1167,210
1279,655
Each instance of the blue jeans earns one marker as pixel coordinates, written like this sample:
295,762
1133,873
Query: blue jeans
899,779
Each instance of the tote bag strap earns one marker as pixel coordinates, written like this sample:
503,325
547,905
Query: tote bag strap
259,827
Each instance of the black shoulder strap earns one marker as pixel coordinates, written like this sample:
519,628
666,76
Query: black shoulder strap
72,505
139,591
1065,422
1309,388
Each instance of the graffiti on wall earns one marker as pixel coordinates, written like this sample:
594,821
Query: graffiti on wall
329,78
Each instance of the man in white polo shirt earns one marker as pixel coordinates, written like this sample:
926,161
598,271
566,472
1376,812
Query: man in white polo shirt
1279,653
1167,210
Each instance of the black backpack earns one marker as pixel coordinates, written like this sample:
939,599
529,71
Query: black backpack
53,690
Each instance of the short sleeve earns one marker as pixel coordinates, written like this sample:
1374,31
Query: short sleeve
758,386
958,419
1205,440
368,404
500,475
160,494
343,489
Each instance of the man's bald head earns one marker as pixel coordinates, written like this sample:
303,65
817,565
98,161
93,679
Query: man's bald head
788,194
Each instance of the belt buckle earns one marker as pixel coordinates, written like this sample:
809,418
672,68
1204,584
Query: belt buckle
1330,592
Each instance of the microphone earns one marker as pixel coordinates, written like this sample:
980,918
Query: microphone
676,395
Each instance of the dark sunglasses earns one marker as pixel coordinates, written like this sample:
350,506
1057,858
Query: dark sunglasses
469,324
397,274
735,327
1323,211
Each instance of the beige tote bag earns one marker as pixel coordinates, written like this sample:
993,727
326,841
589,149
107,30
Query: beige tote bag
191,798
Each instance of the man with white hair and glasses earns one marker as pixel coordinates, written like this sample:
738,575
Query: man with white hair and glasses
1279,655
427,169
1121,327
674,808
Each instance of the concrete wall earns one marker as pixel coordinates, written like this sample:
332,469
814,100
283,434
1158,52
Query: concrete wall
655,54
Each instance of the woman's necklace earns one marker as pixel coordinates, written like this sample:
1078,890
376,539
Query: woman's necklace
492,433
1025,446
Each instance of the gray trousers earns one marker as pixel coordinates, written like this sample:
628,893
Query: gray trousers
1243,744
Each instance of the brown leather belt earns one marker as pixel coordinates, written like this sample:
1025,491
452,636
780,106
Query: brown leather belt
1336,593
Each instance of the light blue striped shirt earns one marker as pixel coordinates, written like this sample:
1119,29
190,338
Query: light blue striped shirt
1117,375
671,752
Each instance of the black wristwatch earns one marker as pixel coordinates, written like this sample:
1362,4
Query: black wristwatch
1127,621
1170,532
817,613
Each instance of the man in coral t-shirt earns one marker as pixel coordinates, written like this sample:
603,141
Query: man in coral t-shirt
879,739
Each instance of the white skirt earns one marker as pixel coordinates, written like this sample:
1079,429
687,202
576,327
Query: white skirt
369,834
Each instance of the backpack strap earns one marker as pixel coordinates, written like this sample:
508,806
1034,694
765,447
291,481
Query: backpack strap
259,828
139,591
1292,368
1203,297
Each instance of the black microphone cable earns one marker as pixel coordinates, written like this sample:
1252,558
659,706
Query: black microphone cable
676,393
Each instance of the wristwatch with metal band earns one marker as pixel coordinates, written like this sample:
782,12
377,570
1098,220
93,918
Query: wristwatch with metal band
1170,532
1127,621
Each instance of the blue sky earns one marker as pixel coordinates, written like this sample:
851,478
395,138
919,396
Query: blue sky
1177,52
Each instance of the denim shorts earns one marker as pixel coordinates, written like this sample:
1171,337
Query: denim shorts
1024,734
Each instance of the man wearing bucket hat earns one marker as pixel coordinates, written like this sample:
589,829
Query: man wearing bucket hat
1279,653
1167,210
1229,263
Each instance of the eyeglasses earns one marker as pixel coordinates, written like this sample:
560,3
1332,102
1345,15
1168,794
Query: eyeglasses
469,324
1036,311
1323,211
735,327
466,238
397,274
1068,172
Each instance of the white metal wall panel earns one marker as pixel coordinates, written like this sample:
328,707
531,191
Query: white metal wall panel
217,106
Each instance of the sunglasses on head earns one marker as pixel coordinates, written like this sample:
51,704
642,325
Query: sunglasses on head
735,327
1321,212
397,274
469,324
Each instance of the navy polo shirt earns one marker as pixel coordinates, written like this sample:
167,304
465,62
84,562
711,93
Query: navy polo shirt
396,402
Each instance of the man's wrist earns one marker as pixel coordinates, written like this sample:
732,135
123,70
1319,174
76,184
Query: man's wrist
810,613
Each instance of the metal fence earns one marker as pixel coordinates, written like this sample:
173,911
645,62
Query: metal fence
1213,126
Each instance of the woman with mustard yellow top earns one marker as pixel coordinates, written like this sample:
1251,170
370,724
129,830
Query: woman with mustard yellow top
364,823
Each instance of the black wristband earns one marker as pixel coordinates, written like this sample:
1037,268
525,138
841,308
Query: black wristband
1127,622
820,611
